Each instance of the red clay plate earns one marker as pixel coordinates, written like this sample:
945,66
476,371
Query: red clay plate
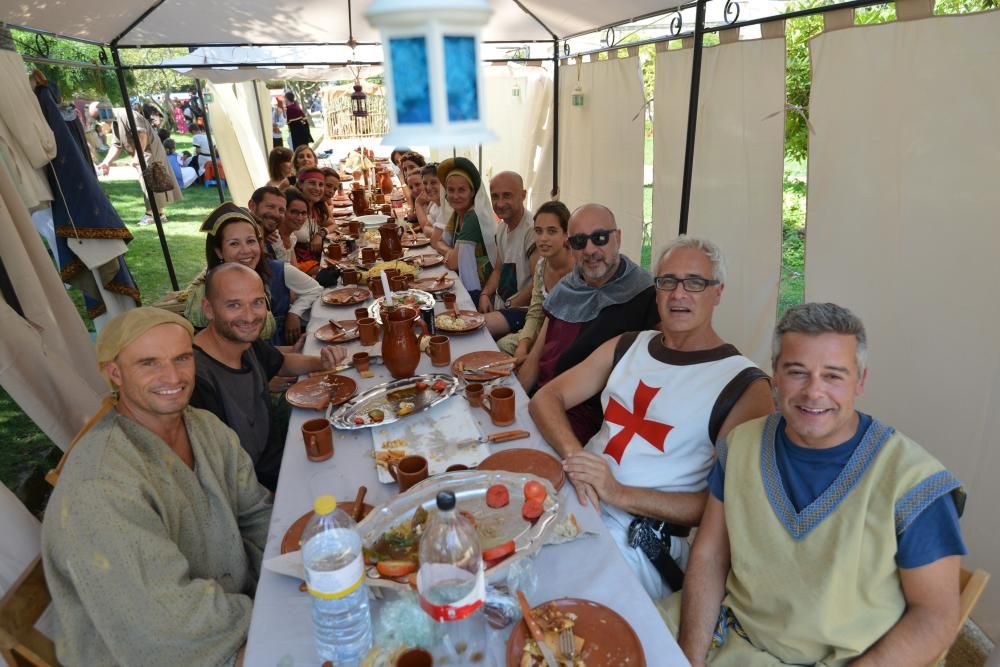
609,641
291,541
327,334
415,241
433,285
524,460
316,393
427,259
472,319
477,359
347,296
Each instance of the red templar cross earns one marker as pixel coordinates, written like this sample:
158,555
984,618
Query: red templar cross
634,423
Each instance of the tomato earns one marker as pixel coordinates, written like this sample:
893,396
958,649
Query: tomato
499,551
532,509
395,568
535,491
420,386
497,496
358,421
439,386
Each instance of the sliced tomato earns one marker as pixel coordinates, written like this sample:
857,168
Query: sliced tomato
497,496
439,386
535,491
395,568
499,551
532,509
420,386
358,421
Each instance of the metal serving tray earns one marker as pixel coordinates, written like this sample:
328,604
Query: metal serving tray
377,397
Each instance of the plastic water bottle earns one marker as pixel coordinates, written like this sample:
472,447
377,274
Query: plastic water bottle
335,575
452,587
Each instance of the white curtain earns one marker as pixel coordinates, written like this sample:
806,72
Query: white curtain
523,125
902,229
601,142
736,194
236,132
47,361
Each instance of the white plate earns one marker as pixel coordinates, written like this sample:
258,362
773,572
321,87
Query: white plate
373,220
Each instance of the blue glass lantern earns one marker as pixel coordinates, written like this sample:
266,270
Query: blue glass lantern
433,78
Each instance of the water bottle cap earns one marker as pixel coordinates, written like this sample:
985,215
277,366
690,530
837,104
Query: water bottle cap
325,505
446,501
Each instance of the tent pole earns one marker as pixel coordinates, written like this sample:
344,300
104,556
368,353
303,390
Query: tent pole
268,139
554,194
151,196
211,146
699,29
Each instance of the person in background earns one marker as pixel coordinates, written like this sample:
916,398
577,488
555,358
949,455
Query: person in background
202,154
555,261
686,386
296,228
298,123
409,162
156,531
394,157
304,157
507,292
278,121
430,205
605,295
234,366
472,224
829,537
415,185
311,183
94,132
331,186
185,175
279,167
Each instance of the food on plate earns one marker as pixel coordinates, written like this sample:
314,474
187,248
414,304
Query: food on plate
376,415
420,386
395,568
395,443
494,554
552,621
451,323
532,509
497,496
383,457
405,408
535,491
439,386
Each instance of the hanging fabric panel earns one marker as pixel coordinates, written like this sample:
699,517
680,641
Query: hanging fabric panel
601,142
736,193
902,228
235,124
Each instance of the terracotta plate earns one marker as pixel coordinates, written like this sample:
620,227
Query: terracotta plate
477,359
472,319
418,241
433,285
609,640
426,260
347,296
291,541
531,461
316,393
347,332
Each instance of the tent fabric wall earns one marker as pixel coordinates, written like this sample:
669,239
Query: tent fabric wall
47,361
601,142
736,198
902,229
236,132
523,125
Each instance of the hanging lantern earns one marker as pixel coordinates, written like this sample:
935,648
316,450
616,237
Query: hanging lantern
516,91
577,95
359,101
433,80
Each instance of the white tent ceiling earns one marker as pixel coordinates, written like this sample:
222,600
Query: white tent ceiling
293,21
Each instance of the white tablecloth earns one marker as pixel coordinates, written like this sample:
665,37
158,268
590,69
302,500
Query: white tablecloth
281,630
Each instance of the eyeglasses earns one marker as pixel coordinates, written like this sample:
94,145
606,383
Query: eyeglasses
598,238
669,283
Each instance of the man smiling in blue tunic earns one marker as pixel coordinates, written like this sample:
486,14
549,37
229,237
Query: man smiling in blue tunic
828,538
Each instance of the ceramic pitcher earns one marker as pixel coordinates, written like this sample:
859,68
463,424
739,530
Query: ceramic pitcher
389,246
400,345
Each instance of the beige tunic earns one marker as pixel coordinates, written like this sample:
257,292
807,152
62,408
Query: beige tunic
122,137
149,562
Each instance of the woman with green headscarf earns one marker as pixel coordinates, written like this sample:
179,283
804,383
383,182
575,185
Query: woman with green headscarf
472,224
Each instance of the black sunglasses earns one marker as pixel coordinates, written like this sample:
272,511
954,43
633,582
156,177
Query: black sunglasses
598,238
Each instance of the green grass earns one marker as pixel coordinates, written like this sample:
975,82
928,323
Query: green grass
26,452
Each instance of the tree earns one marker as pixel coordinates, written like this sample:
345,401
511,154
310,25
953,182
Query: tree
157,84
71,82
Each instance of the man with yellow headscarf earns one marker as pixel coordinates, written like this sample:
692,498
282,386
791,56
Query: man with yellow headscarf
153,538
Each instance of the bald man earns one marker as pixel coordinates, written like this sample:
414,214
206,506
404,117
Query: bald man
606,295
234,366
507,293
153,537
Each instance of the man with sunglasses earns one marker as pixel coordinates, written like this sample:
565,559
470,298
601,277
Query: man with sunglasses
667,397
604,296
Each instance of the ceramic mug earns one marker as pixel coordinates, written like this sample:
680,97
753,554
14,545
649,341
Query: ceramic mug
397,283
440,351
391,273
408,471
368,331
449,299
368,255
415,657
350,276
474,394
456,468
375,285
354,228
361,361
500,406
334,251
360,313
318,437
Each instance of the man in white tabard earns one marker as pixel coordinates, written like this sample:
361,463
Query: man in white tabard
507,292
668,396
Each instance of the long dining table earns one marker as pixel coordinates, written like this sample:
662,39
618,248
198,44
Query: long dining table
590,567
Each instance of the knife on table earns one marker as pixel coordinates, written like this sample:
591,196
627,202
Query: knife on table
502,436
536,632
